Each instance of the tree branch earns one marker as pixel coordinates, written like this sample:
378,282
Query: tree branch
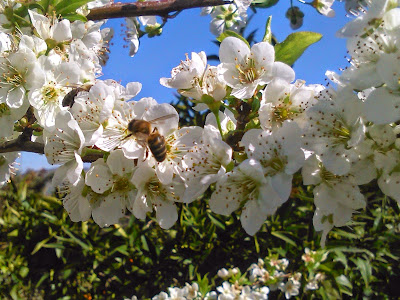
20,144
153,8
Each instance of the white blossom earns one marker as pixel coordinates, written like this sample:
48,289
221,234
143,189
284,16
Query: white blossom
112,180
204,163
244,69
64,146
7,166
153,194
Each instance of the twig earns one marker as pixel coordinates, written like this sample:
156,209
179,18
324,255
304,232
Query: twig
20,144
152,8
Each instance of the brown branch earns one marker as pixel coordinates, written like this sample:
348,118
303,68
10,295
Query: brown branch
20,144
153,8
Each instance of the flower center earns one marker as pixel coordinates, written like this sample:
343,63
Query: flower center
248,73
284,111
2,160
50,93
172,152
4,110
12,78
274,165
340,132
327,176
121,184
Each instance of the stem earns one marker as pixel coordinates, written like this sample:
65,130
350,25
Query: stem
154,8
90,155
216,114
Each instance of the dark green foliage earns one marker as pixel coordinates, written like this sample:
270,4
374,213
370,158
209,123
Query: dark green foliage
45,255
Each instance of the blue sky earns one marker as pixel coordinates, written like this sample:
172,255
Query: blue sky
188,32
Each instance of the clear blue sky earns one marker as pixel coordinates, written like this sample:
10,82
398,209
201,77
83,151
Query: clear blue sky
188,32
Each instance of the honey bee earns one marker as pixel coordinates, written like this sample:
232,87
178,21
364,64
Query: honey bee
69,99
141,129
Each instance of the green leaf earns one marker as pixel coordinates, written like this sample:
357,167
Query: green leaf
283,237
364,267
216,222
76,240
352,250
37,6
54,245
344,284
255,104
23,272
13,293
13,233
227,33
340,257
40,245
43,278
268,33
75,17
45,4
67,6
294,45
264,3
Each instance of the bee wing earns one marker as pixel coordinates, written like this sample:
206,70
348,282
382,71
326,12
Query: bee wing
164,117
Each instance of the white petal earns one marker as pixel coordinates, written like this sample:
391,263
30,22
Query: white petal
382,107
109,212
62,31
99,177
252,217
233,50
166,213
283,71
282,184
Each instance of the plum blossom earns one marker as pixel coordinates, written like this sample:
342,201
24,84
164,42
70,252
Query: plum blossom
75,202
54,32
47,99
19,72
132,35
64,146
336,197
244,69
324,7
366,21
153,194
188,73
246,186
111,181
178,144
8,117
7,166
227,17
92,109
280,155
334,128
282,101
204,163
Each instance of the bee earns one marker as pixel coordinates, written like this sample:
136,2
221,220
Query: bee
69,99
152,139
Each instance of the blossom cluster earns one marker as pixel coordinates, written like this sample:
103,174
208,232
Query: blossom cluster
340,137
262,127
268,275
